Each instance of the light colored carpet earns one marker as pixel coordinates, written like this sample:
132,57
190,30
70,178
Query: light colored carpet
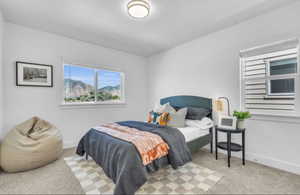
188,179
57,178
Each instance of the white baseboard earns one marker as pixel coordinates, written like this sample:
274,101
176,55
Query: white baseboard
271,162
268,161
70,144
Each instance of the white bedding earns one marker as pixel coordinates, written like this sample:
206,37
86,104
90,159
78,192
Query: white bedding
192,133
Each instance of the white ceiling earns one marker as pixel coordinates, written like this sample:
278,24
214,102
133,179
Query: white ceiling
105,22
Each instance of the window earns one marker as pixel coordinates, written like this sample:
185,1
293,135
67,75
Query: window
281,87
283,66
269,79
91,85
281,76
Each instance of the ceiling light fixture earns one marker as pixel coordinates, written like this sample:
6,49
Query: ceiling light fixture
138,8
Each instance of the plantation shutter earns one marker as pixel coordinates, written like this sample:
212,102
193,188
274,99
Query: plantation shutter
254,83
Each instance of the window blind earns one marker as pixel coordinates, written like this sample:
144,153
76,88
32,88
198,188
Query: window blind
254,81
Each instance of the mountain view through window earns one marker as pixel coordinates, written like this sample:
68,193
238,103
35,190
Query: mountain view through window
88,85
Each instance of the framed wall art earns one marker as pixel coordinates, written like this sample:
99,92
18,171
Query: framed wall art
34,75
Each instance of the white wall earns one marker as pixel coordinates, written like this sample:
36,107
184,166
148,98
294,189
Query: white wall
206,67
1,72
209,67
21,103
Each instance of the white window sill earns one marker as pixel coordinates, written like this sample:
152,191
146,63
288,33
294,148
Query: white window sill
91,105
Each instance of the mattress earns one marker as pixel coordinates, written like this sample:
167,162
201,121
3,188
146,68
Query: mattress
192,133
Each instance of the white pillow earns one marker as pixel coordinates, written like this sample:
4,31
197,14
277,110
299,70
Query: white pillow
177,119
204,123
169,109
164,108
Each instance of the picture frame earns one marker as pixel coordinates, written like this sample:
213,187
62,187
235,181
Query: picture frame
33,74
227,122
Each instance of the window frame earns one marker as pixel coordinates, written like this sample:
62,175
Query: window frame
95,102
266,51
270,77
282,95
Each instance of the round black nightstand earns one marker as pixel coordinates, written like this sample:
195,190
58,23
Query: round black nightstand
228,145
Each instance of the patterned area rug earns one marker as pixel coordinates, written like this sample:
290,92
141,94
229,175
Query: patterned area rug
189,179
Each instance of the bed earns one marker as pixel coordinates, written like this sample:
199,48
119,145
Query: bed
122,163
194,101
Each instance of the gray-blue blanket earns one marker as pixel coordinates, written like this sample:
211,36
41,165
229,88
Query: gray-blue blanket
121,161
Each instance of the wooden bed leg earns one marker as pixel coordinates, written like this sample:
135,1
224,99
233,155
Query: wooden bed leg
86,156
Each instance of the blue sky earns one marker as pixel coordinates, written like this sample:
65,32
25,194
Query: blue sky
86,75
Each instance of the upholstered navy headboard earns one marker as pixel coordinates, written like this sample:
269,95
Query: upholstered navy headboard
188,101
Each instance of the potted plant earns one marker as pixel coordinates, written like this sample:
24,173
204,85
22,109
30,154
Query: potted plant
241,116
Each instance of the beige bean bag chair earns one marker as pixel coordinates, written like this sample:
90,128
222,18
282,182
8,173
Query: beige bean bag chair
32,144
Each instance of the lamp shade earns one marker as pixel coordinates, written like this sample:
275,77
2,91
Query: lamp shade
219,107
222,105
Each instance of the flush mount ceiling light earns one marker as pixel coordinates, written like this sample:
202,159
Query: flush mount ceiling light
138,8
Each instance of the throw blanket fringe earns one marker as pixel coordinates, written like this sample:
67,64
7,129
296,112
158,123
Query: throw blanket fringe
150,146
